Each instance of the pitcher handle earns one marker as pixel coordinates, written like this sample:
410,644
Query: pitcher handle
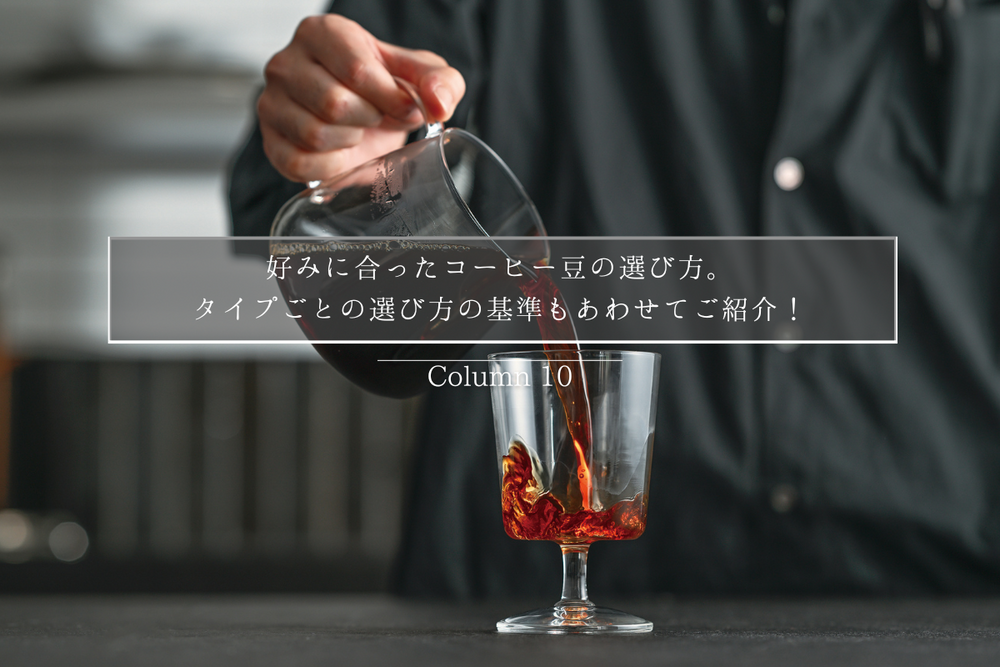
431,129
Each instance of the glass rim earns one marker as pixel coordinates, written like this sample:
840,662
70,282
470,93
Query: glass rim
542,355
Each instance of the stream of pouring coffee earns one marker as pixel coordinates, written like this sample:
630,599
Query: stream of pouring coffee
574,397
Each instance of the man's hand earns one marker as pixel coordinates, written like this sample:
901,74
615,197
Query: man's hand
330,102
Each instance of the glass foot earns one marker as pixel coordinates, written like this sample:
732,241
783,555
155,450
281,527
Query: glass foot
580,618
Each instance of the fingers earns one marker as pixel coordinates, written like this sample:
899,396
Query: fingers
440,87
303,166
352,56
315,89
367,66
303,128
331,101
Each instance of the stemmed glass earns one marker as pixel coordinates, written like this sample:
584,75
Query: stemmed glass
574,434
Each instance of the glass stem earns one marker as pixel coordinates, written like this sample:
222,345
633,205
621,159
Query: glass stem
574,588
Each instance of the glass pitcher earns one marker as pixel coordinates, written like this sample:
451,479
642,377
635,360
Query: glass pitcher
448,184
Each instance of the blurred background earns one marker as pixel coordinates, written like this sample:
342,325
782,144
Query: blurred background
149,468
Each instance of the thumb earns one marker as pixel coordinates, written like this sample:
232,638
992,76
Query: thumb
440,86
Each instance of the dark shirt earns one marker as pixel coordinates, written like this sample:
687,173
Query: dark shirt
827,469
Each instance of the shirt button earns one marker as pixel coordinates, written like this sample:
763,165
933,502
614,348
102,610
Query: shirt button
788,174
784,498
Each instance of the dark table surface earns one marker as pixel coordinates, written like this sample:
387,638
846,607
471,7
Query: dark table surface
379,630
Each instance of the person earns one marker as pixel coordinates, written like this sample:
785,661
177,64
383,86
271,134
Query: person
824,469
